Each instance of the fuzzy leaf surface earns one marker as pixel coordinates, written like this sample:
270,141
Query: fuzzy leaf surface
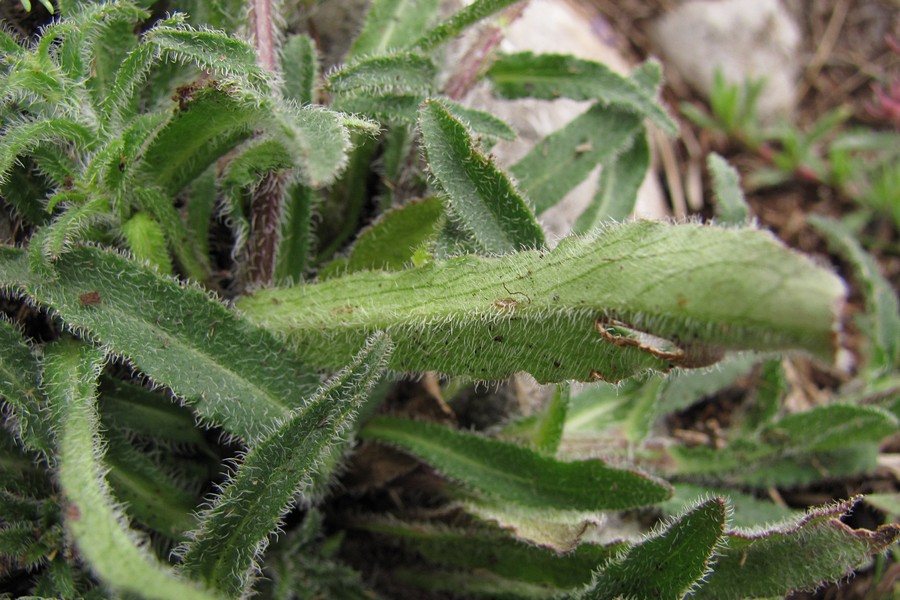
620,180
390,242
19,390
101,533
232,373
515,474
881,300
299,69
551,76
457,22
281,468
731,207
479,194
668,564
566,157
763,564
490,549
393,25
707,289
403,73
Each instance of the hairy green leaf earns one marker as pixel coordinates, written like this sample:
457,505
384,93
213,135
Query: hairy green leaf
393,25
462,19
23,137
749,511
150,494
20,392
836,428
668,564
480,122
299,69
140,411
882,306
295,245
549,426
113,551
403,73
550,76
731,207
390,242
488,548
794,556
479,194
146,240
569,313
517,475
232,373
566,157
282,467
620,180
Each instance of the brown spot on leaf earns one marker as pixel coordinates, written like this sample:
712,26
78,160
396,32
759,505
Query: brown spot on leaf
91,298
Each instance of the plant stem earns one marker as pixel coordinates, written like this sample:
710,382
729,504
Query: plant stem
265,201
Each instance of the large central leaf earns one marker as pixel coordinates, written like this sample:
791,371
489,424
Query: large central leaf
578,312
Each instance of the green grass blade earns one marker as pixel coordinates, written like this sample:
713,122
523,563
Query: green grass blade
551,76
114,552
666,565
620,180
232,373
285,466
514,474
393,25
20,392
706,289
299,69
882,306
479,194
731,206
459,21
764,563
563,159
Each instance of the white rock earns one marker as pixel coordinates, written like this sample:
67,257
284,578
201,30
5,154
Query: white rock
554,26
747,39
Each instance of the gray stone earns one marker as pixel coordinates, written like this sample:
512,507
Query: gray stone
746,39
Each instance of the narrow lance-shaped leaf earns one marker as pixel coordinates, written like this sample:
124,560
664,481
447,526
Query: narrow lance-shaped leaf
668,564
881,300
551,76
20,392
834,428
731,207
549,427
299,69
390,242
232,373
403,73
571,313
793,556
488,548
21,138
566,157
620,180
514,474
101,533
151,495
393,25
465,17
146,240
285,466
479,194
